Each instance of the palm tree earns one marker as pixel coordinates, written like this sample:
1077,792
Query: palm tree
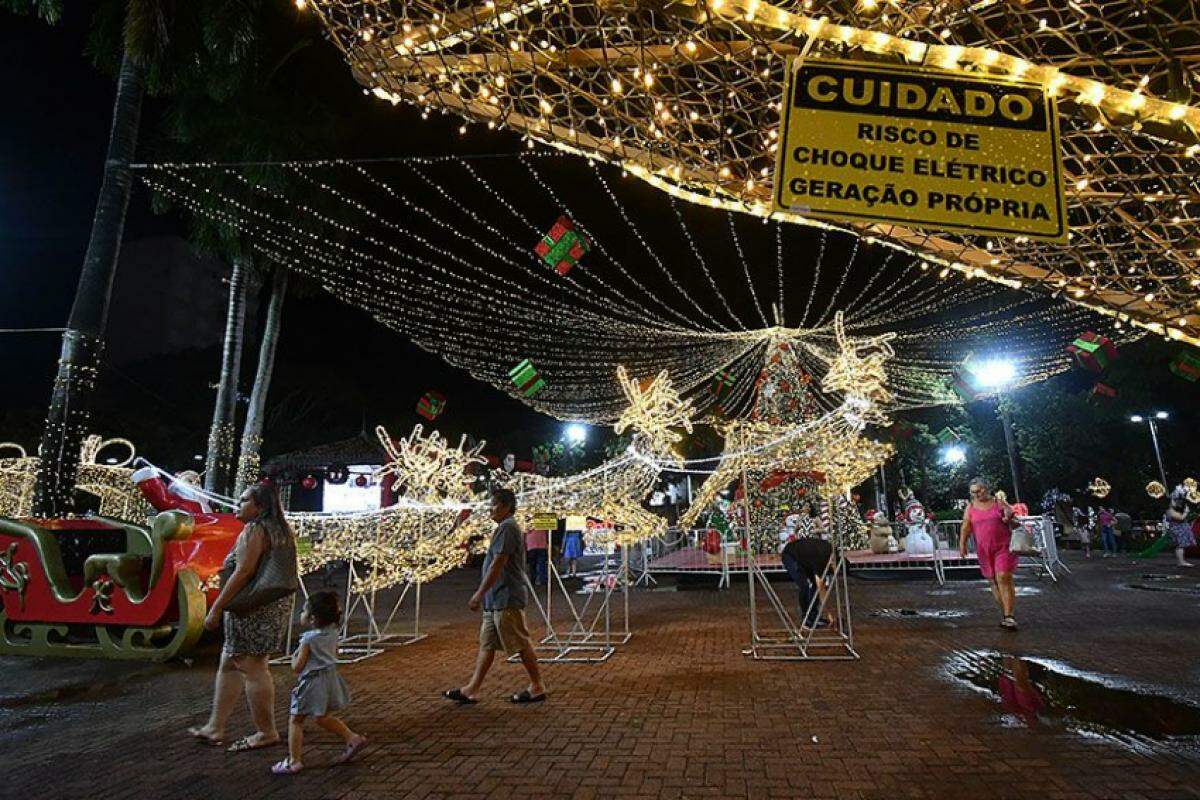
265,115
249,460
218,465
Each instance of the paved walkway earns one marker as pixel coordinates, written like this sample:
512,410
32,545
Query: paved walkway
677,713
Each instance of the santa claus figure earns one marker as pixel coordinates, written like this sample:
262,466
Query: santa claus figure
918,542
181,493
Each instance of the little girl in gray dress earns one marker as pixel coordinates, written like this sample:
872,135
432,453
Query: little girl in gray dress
319,690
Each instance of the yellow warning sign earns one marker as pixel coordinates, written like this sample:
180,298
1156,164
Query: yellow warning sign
544,522
920,146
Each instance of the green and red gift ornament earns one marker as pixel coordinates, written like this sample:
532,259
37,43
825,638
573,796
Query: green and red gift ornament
525,377
563,246
1187,366
965,381
1092,351
947,435
722,386
431,405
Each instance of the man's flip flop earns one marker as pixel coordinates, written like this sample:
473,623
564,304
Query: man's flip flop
524,696
457,696
246,744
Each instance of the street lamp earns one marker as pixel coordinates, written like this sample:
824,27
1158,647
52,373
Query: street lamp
576,433
996,373
1151,419
999,374
954,454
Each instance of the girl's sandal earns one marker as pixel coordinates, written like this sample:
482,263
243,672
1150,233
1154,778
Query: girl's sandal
354,748
1009,624
286,767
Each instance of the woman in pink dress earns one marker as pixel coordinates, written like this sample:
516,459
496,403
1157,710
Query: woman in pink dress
991,521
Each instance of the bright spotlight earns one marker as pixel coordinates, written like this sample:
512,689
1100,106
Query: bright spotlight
1160,415
576,433
1137,418
995,373
954,454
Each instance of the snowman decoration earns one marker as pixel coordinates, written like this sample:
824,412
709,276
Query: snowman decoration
918,542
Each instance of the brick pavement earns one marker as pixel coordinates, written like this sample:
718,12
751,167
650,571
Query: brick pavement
677,713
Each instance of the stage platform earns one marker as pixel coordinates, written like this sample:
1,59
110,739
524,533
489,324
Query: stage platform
694,561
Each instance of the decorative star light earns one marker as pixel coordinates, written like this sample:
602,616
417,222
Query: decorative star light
655,409
426,468
858,373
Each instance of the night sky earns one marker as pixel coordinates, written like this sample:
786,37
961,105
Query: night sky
337,370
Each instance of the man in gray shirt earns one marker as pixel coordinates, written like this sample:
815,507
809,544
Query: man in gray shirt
502,594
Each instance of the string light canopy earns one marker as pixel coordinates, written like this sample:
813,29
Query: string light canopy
685,95
443,250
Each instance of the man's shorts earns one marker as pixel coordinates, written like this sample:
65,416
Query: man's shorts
504,630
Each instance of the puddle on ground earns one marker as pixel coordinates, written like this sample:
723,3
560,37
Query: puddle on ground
912,613
1142,587
1040,693
1154,576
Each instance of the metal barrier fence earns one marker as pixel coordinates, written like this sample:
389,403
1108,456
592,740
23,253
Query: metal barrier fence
680,553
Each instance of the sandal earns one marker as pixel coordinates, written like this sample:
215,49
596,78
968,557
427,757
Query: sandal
197,733
352,749
286,767
457,696
524,696
247,743
1008,623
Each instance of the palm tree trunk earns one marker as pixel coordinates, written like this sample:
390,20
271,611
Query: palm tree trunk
69,416
218,466
248,462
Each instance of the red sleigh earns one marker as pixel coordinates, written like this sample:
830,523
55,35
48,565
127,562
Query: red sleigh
96,587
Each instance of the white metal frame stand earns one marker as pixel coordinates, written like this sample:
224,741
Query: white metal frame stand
591,638
376,636
798,642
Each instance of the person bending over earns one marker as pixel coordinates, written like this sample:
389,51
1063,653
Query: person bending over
806,560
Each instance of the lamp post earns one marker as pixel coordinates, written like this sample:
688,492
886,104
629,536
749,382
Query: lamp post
1152,419
999,374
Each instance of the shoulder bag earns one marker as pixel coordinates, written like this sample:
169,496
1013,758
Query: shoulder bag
277,576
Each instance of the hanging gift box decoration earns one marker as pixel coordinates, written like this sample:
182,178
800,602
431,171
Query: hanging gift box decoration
526,378
1092,351
1103,390
947,436
1186,366
963,387
722,387
431,405
963,380
563,246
